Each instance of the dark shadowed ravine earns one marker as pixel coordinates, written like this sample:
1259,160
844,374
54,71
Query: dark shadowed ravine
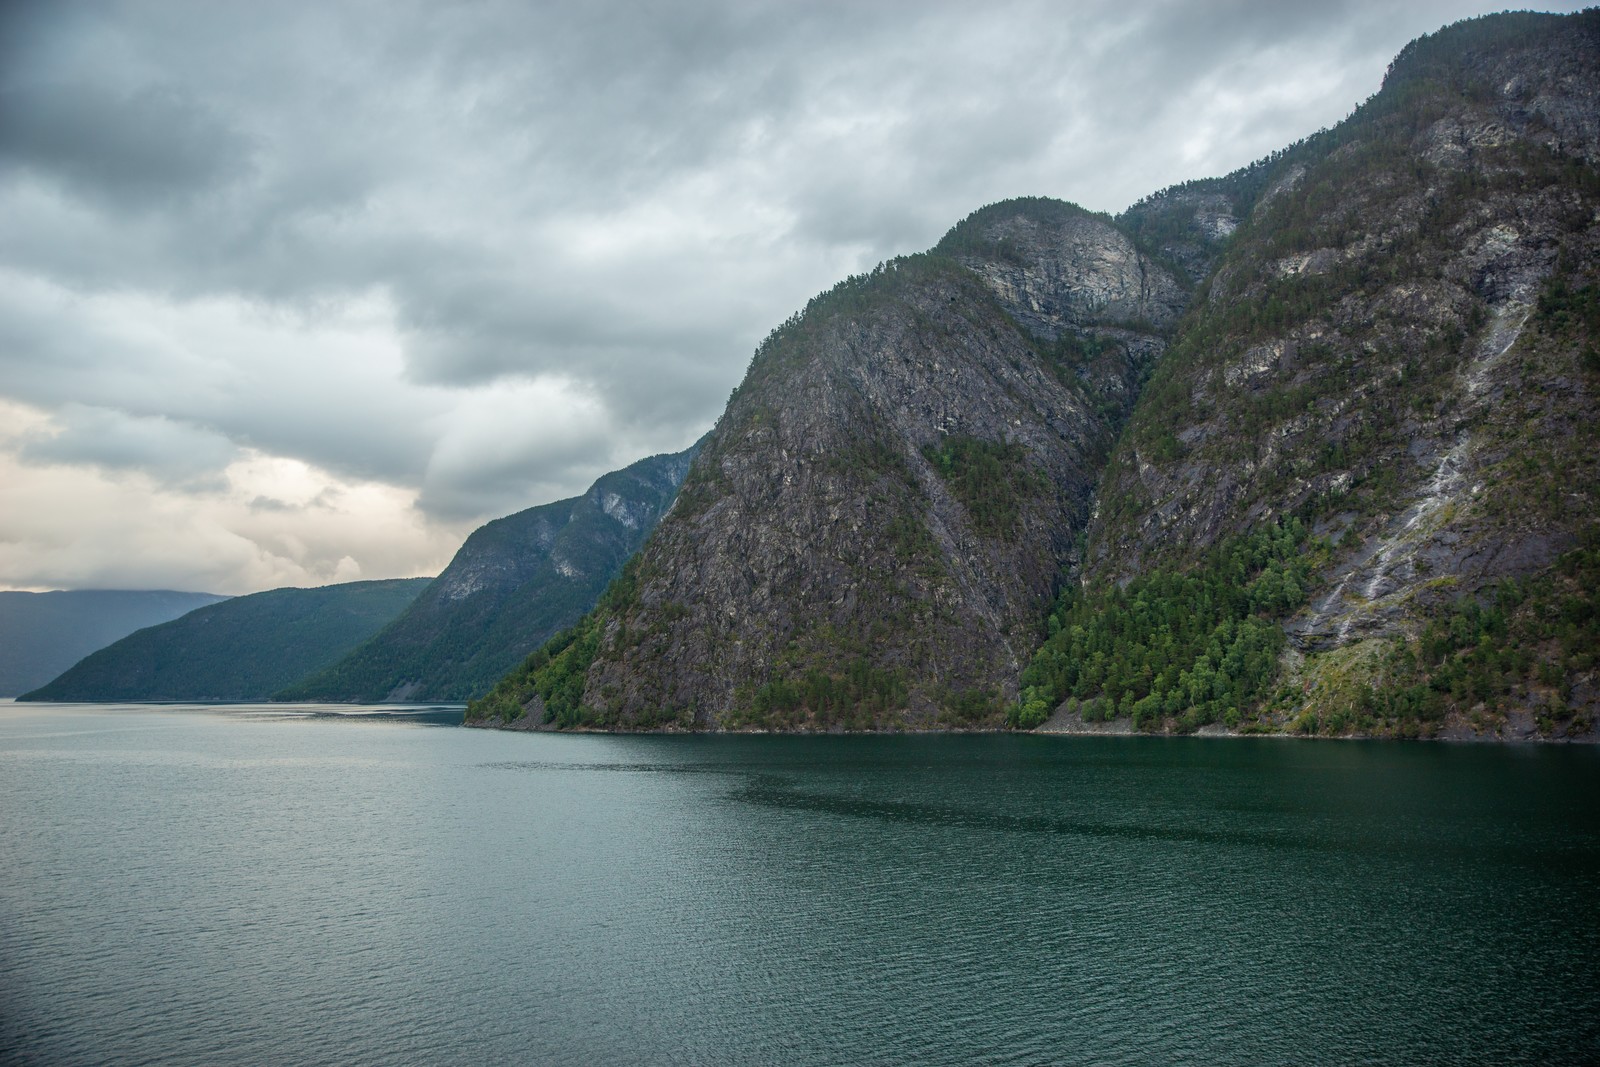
258,884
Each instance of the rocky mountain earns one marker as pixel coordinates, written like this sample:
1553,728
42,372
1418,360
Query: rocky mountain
514,583
874,527
240,649
42,634
1396,346
1311,446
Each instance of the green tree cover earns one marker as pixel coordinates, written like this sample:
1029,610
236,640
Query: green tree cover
555,671
448,647
1083,361
991,480
849,691
1436,58
43,634
1564,308
855,694
1196,646
537,572
245,648
1163,220
456,659
1362,173
1520,642
1523,639
1569,310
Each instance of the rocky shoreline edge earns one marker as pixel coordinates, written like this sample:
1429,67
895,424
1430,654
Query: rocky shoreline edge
1518,727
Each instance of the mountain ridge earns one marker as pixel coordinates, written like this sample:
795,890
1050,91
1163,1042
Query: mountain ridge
242,648
513,583
43,634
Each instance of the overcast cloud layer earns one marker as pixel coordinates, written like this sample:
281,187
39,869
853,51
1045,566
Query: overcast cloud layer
298,293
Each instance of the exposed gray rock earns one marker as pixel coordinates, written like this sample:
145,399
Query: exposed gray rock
1073,271
813,531
1403,371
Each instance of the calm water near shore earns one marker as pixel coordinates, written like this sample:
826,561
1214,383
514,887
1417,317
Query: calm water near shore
269,884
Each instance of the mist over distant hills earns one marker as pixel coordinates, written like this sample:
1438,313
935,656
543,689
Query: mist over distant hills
514,583
244,648
42,634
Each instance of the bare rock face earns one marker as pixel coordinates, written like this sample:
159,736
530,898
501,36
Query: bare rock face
1533,82
885,509
1056,267
503,554
1371,350
1075,281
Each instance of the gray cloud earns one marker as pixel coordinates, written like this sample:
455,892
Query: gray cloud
146,148
481,253
178,453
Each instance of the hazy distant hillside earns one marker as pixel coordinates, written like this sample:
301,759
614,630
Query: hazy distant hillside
242,649
42,634
515,581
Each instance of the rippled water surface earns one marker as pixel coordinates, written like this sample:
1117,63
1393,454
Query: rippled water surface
268,885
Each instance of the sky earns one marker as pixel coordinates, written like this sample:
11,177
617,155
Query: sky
297,293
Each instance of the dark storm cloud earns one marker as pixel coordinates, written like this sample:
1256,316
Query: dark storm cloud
153,145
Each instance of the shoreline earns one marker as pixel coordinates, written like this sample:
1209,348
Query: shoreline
1450,733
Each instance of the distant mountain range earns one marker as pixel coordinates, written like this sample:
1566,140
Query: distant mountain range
239,649
514,583
42,634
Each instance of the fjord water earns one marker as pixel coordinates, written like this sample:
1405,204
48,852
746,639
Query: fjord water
272,885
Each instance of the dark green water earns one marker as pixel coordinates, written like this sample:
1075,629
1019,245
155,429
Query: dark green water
255,885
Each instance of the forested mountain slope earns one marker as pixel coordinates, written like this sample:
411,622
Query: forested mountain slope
240,649
42,634
1355,493
514,583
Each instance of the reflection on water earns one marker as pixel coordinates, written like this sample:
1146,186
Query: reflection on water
248,884
419,714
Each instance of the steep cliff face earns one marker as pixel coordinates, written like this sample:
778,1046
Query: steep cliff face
1055,267
514,582
873,530
1372,354
1077,283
